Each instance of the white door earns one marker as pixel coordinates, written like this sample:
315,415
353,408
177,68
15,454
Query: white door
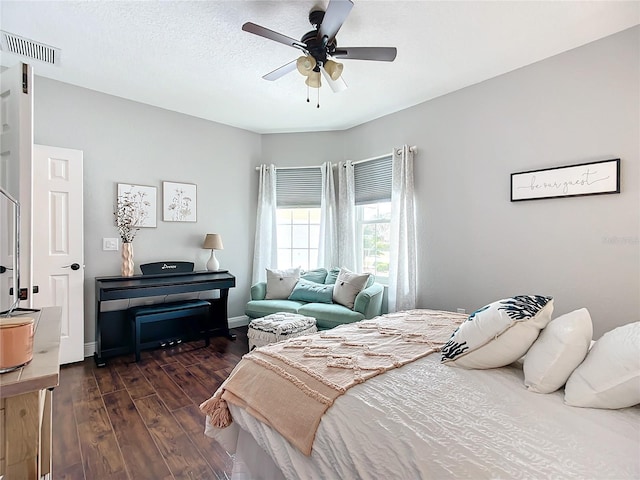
16,142
58,252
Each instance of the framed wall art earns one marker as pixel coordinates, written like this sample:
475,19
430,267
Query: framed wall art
593,178
179,202
141,201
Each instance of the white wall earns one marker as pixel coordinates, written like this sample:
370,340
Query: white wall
129,142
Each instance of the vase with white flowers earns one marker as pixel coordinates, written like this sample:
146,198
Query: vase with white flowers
126,215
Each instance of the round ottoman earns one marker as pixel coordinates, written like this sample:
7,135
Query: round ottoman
279,326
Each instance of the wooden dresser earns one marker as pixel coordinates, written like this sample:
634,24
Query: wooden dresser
25,404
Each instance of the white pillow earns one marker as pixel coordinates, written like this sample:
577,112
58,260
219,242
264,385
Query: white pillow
347,287
610,375
280,283
559,349
499,333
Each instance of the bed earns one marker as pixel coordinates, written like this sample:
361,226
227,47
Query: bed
428,420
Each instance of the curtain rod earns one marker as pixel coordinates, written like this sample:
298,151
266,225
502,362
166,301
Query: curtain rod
413,149
371,159
292,168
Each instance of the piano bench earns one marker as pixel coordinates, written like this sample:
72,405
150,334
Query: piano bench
166,311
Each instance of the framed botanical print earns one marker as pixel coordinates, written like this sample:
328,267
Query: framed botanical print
140,202
179,202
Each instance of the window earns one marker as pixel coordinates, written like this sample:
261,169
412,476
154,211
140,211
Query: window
372,180
298,197
298,237
374,234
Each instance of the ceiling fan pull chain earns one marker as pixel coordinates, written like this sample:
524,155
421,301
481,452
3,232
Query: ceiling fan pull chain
318,105
307,93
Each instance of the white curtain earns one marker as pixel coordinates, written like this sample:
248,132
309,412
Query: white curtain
402,270
265,249
346,216
327,251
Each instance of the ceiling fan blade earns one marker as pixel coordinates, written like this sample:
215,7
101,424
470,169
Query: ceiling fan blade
281,71
334,17
384,54
336,85
271,35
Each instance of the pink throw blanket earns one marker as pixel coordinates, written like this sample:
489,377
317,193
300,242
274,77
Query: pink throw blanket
290,385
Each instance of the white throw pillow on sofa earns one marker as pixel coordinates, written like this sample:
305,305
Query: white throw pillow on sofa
499,333
280,283
559,349
347,287
610,375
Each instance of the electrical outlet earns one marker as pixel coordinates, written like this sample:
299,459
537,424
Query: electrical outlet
109,244
461,310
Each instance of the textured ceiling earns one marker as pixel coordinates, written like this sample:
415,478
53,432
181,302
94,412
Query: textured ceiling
192,56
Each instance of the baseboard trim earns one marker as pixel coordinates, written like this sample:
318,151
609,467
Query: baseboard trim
89,349
234,322
240,321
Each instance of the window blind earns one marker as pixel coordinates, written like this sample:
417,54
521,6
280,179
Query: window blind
372,180
299,187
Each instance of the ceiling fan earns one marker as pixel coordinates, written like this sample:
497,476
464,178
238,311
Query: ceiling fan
320,47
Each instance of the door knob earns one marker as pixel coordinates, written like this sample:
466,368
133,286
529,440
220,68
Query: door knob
73,266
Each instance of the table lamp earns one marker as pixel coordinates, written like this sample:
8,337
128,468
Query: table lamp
213,241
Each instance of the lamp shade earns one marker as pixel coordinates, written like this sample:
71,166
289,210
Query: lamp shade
213,241
313,80
334,69
306,64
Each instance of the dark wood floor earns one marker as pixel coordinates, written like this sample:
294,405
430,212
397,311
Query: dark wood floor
141,420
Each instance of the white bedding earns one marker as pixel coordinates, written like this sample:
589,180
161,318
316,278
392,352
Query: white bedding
431,421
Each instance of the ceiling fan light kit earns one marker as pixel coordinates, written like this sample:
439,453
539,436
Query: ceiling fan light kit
306,64
313,80
334,69
320,45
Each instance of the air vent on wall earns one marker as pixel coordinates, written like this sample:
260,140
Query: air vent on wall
12,43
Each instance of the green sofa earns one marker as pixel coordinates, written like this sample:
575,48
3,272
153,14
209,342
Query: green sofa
368,303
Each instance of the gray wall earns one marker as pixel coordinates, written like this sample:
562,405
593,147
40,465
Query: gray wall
302,149
475,246
129,142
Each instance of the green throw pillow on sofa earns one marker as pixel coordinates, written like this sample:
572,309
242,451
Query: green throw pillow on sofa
307,291
332,276
318,275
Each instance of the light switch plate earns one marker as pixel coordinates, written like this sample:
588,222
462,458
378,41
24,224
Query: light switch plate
110,244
